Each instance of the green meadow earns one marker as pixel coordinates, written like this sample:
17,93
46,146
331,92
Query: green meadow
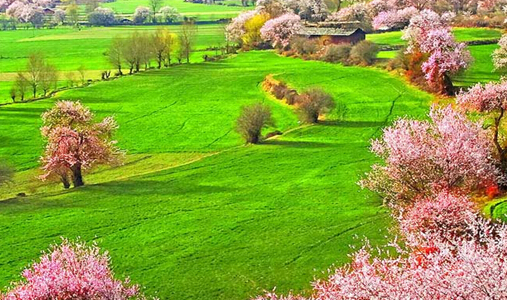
199,11
193,213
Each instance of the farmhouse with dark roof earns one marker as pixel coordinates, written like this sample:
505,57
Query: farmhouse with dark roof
334,32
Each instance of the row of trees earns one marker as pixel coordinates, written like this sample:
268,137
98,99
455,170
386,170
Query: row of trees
163,46
40,77
106,17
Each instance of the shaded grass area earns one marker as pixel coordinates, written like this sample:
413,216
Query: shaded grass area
213,219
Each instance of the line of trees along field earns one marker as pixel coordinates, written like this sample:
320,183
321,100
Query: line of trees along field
134,52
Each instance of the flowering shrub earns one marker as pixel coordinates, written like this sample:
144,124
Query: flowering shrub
72,271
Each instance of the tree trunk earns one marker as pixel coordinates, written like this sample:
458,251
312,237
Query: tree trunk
65,181
119,70
77,176
447,85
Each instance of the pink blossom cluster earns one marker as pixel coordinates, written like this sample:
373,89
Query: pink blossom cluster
72,271
423,157
500,54
280,30
394,19
484,98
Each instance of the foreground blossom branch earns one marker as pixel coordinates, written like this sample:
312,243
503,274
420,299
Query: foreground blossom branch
72,271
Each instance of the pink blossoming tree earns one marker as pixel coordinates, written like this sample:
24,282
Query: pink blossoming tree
422,158
280,30
491,99
75,143
430,34
72,271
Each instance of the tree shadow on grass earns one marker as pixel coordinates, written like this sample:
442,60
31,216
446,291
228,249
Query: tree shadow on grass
352,124
297,144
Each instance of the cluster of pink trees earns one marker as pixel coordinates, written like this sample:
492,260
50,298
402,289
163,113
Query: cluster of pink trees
75,143
72,271
274,22
29,11
430,34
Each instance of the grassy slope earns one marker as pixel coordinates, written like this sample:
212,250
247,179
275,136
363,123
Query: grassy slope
229,225
68,48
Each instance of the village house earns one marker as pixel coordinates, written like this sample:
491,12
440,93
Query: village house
334,32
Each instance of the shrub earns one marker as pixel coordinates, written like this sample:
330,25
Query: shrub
304,46
337,53
364,53
252,120
102,17
313,103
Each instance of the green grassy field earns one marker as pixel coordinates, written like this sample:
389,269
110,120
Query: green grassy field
68,49
199,11
462,35
194,214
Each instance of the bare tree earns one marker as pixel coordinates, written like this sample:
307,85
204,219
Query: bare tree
48,79
114,54
187,37
313,103
34,68
159,45
21,85
155,5
82,73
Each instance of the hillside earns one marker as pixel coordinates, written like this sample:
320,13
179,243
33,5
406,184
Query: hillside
194,214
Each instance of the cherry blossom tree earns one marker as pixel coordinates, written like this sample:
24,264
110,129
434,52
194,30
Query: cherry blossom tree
492,99
280,30
394,19
72,271
422,158
75,143
429,33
